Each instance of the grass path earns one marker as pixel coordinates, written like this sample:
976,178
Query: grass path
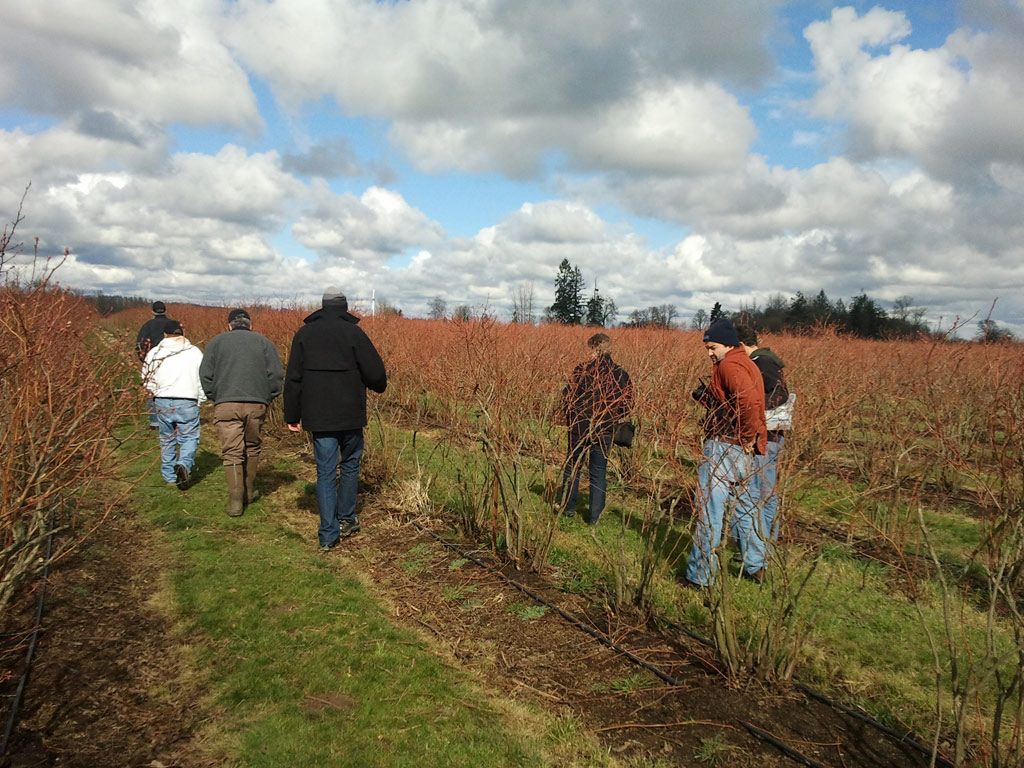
304,665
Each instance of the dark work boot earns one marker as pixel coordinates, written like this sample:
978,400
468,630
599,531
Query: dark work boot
236,489
251,491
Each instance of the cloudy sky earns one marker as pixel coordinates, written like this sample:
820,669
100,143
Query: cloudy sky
677,151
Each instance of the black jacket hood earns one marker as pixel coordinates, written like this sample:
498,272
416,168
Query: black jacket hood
329,311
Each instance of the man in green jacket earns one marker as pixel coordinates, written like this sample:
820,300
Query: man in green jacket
241,373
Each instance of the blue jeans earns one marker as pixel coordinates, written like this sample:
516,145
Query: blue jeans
725,482
579,440
151,405
764,483
178,424
337,482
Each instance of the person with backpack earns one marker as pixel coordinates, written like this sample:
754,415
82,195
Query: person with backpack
778,403
735,436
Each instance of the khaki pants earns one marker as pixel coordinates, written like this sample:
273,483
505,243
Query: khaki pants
238,427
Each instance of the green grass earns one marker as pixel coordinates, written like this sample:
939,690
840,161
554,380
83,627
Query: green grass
714,750
527,611
636,681
867,645
303,664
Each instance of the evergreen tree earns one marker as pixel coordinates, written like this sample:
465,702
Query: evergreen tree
799,311
568,307
716,313
595,309
821,307
866,318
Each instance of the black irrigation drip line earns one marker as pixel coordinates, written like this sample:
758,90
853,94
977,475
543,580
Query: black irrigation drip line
787,750
16,705
564,614
905,738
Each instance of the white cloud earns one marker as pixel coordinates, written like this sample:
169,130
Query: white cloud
651,106
495,85
368,230
161,60
953,109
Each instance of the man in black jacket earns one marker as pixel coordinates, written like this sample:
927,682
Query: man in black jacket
776,395
241,372
331,365
598,396
150,334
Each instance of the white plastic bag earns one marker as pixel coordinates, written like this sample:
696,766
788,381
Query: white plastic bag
781,417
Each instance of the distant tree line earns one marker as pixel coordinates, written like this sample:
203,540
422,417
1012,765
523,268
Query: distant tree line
108,305
863,317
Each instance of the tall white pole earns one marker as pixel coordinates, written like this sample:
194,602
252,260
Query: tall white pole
373,302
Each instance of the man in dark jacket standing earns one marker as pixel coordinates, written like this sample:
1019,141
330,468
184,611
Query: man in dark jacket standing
241,373
598,396
735,435
776,402
331,365
150,334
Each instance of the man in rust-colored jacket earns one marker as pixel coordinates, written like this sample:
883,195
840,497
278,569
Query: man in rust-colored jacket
735,433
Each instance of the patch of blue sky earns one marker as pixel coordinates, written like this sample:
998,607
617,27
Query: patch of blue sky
657,234
792,138
403,259
12,118
206,140
465,203
287,246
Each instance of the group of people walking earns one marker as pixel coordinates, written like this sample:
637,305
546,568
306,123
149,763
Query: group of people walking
747,410
332,363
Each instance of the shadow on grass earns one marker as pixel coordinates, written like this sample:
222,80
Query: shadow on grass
270,480
307,501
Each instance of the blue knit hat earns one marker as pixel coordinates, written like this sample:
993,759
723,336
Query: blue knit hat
722,332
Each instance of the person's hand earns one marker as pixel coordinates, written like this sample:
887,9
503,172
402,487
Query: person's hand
749,447
294,428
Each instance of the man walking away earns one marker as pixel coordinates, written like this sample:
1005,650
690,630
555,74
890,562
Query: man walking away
151,334
735,434
241,373
778,404
598,396
171,373
331,365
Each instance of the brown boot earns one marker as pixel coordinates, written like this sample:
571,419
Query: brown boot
236,489
251,491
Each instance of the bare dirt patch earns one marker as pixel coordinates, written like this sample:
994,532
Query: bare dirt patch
105,687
